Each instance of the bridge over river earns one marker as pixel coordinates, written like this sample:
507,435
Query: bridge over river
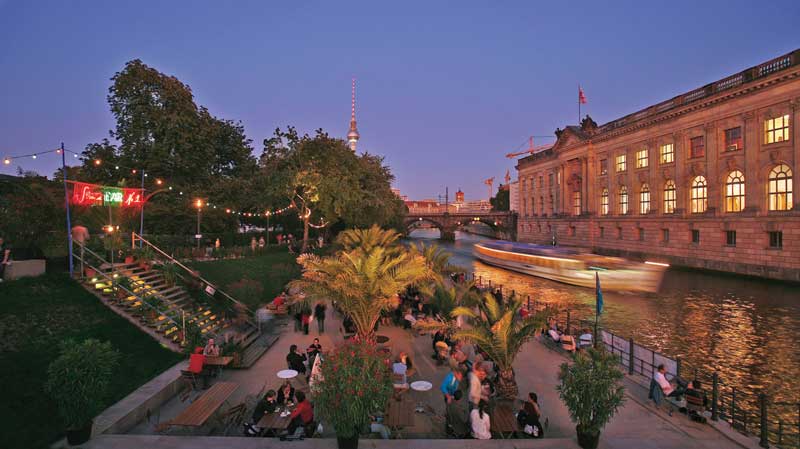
502,224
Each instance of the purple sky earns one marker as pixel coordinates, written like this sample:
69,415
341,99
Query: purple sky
445,89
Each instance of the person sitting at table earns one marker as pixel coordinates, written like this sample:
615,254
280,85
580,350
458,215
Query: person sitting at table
197,360
529,417
376,425
410,321
568,343
296,360
481,423
286,394
456,416
301,416
211,348
267,405
405,358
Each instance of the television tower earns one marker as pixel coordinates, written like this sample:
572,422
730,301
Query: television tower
352,136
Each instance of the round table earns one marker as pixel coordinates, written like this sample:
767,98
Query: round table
287,374
421,385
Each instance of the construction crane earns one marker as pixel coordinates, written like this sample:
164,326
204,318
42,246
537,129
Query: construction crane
531,149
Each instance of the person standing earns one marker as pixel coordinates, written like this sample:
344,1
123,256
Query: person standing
319,315
261,242
305,319
253,244
5,255
450,385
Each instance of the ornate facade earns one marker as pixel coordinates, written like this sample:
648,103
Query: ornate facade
704,179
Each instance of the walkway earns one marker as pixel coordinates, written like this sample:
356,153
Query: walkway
637,425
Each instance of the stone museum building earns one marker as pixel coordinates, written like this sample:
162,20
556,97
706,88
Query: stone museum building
704,179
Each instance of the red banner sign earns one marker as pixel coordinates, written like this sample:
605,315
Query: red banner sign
84,194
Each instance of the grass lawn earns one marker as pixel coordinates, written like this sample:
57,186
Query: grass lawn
272,269
36,314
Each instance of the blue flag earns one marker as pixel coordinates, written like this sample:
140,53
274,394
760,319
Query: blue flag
599,293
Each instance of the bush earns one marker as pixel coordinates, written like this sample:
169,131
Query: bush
79,379
591,389
355,384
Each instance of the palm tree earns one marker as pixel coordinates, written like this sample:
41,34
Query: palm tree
364,283
500,331
444,300
437,259
367,239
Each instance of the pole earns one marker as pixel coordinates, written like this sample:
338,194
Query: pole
596,315
66,205
579,104
197,236
141,215
715,397
268,214
764,434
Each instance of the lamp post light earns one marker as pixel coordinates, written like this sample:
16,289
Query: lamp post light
199,205
268,214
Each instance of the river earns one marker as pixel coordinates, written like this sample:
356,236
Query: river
746,329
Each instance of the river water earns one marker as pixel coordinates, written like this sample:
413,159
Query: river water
746,329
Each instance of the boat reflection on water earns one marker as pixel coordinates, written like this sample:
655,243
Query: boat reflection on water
572,266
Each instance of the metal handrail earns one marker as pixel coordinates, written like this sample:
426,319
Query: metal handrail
193,273
100,273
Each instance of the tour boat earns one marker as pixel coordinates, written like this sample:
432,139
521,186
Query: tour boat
571,266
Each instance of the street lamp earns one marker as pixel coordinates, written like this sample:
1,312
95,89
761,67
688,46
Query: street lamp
199,205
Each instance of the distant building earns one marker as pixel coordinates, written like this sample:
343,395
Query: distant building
513,196
704,179
459,196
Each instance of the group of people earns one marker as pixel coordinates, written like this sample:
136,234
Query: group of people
469,394
568,342
303,316
696,399
300,417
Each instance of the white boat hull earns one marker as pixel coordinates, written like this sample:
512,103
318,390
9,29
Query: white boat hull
637,278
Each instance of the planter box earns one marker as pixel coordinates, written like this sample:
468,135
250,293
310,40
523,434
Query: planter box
24,268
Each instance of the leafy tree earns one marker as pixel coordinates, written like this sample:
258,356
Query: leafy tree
326,182
500,202
33,214
368,239
500,331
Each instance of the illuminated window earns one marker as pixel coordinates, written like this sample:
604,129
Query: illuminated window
644,199
604,202
733,139
670,201
780,188
667,152
699,195
776,129
621,166
576,202
603,167
734,192
697,146
623,200
641,158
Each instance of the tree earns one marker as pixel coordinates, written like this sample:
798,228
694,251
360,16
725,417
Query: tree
363,282
500,331
326,182
501,202
591,388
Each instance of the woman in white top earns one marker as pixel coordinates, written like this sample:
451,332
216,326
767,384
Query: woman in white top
481,425
399,370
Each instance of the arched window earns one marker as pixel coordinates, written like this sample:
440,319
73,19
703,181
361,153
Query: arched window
644,199
734,192
670,202
604,202
699,194
780,188
623,200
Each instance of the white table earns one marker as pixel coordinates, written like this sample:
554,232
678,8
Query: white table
287,374
421,385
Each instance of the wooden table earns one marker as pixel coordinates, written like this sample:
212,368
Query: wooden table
199,411
503,420
218,361
272,423
399,414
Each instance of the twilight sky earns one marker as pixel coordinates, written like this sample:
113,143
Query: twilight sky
445,89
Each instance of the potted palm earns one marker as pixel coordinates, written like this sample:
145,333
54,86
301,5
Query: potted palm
170,273
78,380
591,388
354,384
500,331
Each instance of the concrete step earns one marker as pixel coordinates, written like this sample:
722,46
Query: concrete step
260,346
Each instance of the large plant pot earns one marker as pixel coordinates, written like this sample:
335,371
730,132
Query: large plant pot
588,440
347,443
79,436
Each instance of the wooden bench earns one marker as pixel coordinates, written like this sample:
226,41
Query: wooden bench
503,421
199,411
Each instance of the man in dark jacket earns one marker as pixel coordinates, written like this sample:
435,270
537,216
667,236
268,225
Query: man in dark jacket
295,360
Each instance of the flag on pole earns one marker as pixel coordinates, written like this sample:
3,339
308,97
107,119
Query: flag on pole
581,96
599,293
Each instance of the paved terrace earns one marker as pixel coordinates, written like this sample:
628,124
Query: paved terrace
638,424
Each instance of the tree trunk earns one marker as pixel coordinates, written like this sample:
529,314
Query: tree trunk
306,217
507,386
